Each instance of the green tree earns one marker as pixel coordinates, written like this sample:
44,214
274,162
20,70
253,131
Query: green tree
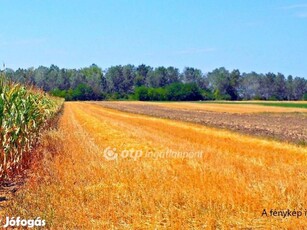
157,77
141,75
141,93
224,84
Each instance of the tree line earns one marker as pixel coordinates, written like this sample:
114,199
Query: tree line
144,82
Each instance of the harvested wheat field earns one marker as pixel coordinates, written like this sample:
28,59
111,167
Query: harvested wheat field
224,180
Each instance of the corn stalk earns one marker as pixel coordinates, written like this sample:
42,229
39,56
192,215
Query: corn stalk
24,112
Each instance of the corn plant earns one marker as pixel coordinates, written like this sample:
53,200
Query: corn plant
24,112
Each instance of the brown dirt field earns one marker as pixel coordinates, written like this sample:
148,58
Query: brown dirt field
227,108
289,127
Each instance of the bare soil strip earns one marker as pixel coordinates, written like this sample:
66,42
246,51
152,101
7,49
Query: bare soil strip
289,127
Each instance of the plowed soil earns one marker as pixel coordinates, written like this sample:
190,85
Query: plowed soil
289,127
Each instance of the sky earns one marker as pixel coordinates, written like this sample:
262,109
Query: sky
261,36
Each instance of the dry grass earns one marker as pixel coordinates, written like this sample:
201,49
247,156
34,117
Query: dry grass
263,101
229,187
225,108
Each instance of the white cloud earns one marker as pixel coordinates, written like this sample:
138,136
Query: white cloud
299,10
295,6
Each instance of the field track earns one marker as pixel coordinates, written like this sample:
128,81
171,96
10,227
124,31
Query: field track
229,186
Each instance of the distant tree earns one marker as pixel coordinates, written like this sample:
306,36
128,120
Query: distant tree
76,78
52,78
157,94
192,75
234,80
141,74
279,87
250,86
58,93
83,92
300,87
9,73
65,83
172,92
115,80
129,75
147,83
141,93
267,82
289,88
40,75
20,76
224,84
93,77
172,75
157,77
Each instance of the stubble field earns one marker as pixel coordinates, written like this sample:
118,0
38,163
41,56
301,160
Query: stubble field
76,185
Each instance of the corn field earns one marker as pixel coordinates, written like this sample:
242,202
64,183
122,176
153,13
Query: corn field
24,112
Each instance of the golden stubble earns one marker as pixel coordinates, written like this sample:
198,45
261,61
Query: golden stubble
237,177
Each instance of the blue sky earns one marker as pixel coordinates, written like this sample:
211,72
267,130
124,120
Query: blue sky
259,36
